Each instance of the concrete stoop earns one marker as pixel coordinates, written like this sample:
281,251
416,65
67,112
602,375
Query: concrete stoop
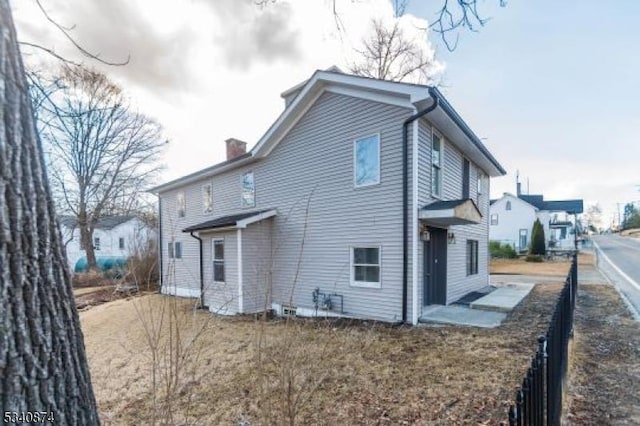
487,312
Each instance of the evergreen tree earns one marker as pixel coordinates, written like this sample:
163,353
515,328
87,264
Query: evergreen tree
537,239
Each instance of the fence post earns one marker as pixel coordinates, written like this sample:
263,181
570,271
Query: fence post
542,359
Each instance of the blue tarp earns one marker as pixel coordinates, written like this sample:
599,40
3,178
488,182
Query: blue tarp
104,263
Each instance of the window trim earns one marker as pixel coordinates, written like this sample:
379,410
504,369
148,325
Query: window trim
472,264
182,208
213,260
435,131
242,202
355,142
491,219
364,284
480,182
202,190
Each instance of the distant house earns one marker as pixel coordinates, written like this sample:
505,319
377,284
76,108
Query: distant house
366,198
512,216
114,236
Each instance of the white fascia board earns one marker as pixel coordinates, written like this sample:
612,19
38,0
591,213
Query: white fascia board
257,218
436,214
391,99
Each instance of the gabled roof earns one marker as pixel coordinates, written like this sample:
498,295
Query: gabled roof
569,206
537,201
106,222
411,96
240,220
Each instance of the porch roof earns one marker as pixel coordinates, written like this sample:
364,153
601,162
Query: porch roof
240,220
451,212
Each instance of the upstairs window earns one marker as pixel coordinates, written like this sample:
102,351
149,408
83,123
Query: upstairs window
96,243
207,199
248,190
436,165
480,182
365,267
508,207
494,219
182,204
366,157
218,260
121,243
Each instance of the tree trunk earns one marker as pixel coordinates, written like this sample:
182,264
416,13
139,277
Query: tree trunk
86,236
43,366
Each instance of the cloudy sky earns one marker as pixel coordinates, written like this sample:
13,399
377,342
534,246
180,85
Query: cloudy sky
552,87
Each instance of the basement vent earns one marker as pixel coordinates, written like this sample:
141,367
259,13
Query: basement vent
289,311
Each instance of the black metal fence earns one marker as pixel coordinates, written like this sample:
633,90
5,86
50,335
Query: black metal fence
539,400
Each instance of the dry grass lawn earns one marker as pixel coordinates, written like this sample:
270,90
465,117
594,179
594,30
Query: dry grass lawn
337,372
634,232
558,268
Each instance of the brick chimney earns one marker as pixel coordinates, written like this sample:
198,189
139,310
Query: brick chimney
235,148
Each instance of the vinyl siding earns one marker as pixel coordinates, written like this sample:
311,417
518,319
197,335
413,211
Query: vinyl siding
458,283
221,297
256,266
308,177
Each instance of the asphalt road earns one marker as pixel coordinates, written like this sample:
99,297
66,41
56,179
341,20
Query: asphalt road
619,260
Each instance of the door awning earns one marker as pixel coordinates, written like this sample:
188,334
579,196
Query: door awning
453,212
234,221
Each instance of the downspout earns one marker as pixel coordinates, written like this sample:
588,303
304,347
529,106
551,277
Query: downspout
405,198
201,270
160,246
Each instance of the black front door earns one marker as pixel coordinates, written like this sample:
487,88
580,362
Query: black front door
435,268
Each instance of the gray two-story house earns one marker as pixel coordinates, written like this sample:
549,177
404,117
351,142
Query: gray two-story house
366,198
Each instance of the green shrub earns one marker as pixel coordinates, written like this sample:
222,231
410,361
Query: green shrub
501,251
535,258
537,239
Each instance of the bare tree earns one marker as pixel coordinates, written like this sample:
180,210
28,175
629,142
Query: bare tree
452,16
456,14
390,55
101,152
44,376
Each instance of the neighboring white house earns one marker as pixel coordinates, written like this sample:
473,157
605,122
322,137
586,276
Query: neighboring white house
511,220
113,236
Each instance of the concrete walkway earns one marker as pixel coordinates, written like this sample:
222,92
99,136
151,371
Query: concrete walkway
503,299
487,312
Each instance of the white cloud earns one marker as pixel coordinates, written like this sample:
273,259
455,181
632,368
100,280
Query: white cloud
209,70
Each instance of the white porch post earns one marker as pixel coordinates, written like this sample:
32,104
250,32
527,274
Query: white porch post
240,296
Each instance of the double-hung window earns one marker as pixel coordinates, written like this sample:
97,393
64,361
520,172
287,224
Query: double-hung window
182,204
365,267
248,190
366,158
207,199
121,243
218,260
175,250
436,165
472,257
494,219
96,243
